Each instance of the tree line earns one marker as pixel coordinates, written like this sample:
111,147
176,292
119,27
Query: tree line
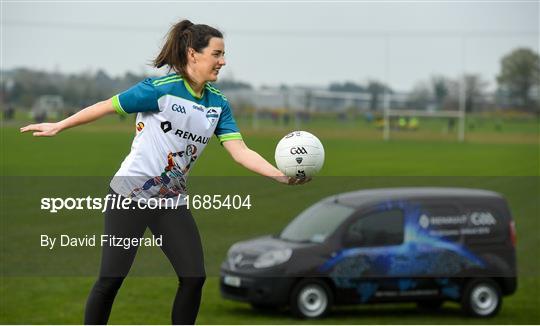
518,86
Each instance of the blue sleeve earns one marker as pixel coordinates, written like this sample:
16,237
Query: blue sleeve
226,128
139,98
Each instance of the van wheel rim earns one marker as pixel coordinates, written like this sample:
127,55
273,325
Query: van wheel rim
312,300
484,300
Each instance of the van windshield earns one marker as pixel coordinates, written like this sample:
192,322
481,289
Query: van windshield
316,223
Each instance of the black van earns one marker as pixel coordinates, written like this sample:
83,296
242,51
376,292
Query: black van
426,245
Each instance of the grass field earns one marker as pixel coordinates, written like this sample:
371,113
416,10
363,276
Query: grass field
506,161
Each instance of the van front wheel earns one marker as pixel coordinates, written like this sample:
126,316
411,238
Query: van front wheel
481,298
310,298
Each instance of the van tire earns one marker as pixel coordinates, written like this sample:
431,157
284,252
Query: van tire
481,298
311,298
430,305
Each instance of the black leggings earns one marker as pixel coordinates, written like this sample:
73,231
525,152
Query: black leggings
181,244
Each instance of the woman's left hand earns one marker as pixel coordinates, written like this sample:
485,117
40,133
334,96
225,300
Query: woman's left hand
292,181
298,181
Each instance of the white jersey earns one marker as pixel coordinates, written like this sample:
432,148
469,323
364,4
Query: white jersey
173,128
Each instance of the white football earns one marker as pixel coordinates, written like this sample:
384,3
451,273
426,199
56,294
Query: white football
299,154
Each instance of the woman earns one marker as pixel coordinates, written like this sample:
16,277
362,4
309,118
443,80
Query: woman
176,116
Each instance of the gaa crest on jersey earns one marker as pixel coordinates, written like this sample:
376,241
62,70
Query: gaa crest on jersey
140,126
212,116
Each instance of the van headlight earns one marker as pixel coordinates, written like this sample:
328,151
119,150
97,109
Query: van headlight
233,250
234,256
273,258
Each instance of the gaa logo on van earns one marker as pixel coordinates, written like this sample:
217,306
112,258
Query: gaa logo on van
298,150
178,108
482,218
212,116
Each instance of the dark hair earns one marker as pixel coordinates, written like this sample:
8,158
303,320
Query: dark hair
181,36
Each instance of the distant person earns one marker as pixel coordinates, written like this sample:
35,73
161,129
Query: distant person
402,123
275,117
177,114
451,124
379,122
413,123
9,113
286,118
40,116
368,116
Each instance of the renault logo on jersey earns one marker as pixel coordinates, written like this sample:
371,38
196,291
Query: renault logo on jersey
212,116
191,136
178,108
166,126
298,150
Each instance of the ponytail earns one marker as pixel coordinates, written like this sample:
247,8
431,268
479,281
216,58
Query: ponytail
180,38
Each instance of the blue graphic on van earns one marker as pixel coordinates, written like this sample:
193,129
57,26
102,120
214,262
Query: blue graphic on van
406,284
420,254
451,291
448,288
366,290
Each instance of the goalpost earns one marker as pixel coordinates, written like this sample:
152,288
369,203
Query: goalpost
459,115
291,100
388,113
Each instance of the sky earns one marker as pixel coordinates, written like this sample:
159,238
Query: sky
400,43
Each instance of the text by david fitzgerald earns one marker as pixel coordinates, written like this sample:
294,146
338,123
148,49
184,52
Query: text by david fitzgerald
103,240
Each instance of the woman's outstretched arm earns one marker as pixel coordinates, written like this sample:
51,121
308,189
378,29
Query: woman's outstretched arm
86,115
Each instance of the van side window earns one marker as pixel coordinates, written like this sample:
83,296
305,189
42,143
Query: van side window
384,228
